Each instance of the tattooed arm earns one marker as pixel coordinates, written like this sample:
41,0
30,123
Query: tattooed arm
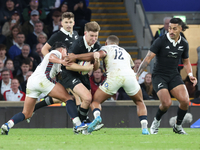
150,55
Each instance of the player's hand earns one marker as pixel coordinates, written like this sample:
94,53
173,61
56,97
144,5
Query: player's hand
90,67
64,63
193,80
70,58
96,55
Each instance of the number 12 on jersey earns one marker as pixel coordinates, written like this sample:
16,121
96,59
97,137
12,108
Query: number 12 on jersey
118,54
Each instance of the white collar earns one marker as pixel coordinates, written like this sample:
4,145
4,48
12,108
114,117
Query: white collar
66,32
86,44
18,92
19,46
172,41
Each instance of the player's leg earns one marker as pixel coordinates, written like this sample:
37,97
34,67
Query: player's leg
64,96
86,99
181,94
132,88
99,97
29,105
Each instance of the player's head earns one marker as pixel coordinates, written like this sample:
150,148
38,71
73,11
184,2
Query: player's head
68,21
91,32
176,25
112,40
61,48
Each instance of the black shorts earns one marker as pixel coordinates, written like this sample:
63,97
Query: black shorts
166,82
70,79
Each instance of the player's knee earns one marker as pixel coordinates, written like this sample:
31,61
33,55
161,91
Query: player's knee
88,99
166,104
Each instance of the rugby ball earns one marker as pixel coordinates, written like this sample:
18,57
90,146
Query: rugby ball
83,63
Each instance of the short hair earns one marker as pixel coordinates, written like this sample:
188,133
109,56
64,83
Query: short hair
36,22
42,33
92,26
58,45
166,18
179,22
27,45
67,15
4,70
113,39
2,47
26,61
16,26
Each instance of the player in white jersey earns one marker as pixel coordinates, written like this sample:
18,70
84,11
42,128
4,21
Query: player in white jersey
119,74
41,81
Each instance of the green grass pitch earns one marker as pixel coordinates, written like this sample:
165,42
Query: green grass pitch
105,139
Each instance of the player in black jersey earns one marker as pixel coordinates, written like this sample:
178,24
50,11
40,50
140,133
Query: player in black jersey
168,49
78,83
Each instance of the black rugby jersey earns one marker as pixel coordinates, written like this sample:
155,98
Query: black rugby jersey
168,54
62,36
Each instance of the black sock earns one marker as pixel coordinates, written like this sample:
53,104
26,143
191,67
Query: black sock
180,115
83,113
47,101
143,117
71,109
159,114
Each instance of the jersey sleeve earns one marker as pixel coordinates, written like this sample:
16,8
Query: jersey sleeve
185,54
155,47
52,39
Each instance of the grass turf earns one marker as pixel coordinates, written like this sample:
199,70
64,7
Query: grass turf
105,139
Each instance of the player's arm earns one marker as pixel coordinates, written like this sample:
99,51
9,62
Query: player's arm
45,49
77,67
188,68
73,57
150,55
54,59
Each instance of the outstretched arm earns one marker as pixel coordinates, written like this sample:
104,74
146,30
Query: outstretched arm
150,55
188,68
86,57
45,49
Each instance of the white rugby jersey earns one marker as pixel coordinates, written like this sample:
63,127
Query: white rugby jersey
117,60
47,68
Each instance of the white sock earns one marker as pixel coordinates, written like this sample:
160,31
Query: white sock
144,124
10,123
76,121
96,113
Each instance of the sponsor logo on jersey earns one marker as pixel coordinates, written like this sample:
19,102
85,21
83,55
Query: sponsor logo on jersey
66,39
167,47
160,85
180,48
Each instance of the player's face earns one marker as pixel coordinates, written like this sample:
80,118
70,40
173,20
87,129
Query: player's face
68,24
174,31
91,37
64,52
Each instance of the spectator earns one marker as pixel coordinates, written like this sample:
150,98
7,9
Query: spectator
28,26
62,8
81,12
41,38
16,49
20,74
3,56
25,53
23,84
9,65
96,79
54,25
5,83
14,94
7,11
12,39
33,5
137,63
38,50
147,88
15,20
32,37
1,65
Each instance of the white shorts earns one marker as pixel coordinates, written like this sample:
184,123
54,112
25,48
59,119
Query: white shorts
113,83
38,84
